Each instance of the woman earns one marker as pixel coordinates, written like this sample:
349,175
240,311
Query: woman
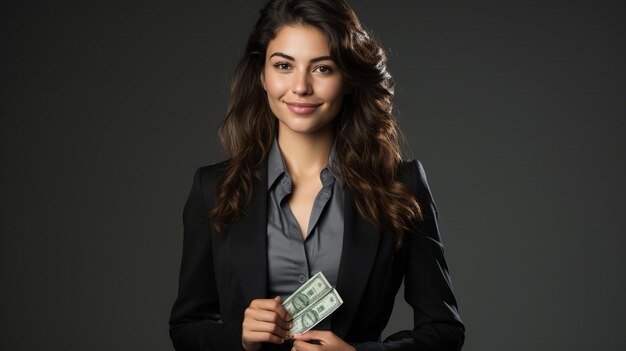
314,181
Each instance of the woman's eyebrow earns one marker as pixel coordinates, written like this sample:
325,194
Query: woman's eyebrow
315,59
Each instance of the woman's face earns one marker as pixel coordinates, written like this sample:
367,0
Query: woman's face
304,86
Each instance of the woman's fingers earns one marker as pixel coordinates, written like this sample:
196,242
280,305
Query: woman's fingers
265,320
307,342
259,337
271,305
267,316
300,345
320,335
258,326
320,340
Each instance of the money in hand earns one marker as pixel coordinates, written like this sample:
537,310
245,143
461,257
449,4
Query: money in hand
307,294
311,303
316,312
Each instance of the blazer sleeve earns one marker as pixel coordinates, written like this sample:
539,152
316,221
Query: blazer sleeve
195,320
427,285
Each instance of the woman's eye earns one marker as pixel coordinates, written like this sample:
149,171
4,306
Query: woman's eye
281,65
325,69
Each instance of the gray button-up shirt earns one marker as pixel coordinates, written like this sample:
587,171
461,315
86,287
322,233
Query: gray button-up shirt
292,260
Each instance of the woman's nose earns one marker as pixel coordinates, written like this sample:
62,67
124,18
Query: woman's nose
302,83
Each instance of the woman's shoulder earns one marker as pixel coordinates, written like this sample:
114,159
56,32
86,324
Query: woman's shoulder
212,171
205,177
412,173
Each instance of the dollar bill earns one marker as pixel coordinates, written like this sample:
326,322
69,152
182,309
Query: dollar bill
310,292
316,312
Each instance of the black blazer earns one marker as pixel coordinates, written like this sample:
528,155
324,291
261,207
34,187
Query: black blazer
221,275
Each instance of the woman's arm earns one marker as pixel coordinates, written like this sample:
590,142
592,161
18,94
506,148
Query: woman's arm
427,286
195,321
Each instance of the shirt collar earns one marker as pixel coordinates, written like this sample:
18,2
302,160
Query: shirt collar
276,163
333,168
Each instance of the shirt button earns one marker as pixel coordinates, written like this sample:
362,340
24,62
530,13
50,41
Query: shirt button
301,278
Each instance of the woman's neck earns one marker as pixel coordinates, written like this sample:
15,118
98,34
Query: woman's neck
305,154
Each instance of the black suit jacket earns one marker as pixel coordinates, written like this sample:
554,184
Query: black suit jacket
221,275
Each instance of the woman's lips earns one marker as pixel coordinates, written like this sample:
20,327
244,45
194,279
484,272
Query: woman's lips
302,109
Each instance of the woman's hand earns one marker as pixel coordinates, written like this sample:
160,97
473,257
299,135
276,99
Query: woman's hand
327,340
265,320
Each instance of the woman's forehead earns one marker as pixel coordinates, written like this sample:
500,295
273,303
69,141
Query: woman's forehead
299,43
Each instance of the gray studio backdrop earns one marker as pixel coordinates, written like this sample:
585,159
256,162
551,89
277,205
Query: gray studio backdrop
515,108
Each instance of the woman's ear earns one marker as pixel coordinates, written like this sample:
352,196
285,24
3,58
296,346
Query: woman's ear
262,76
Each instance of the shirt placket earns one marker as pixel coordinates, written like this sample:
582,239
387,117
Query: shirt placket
300,268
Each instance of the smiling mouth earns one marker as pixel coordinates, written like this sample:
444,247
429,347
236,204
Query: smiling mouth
301,108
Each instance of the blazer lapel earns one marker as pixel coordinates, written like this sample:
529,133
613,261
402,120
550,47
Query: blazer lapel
360,244
248,239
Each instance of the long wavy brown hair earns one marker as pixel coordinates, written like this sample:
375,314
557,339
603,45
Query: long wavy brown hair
367,135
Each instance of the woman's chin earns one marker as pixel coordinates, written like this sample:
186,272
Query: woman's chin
303,128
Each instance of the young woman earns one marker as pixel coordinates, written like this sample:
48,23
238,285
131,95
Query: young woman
314,181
